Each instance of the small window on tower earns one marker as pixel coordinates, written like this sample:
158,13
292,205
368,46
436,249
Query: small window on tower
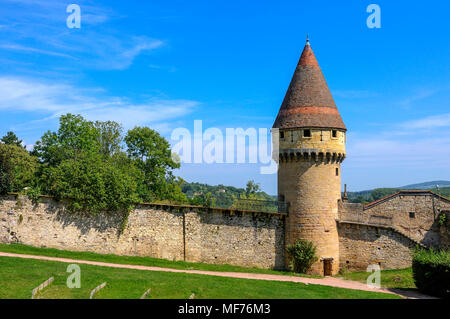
412,215
281,134
337,171
307,133
292,136
334,133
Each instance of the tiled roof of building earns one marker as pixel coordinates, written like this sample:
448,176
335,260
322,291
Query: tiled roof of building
308,101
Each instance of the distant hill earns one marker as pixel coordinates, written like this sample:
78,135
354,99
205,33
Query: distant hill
222,196
368,196
427,185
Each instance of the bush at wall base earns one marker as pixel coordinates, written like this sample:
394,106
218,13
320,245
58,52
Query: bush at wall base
302,255
431,272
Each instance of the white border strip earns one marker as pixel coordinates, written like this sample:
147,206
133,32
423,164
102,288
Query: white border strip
96,289
41,286
146,293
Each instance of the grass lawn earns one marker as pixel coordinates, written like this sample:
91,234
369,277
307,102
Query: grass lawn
19,276
137,260
395,278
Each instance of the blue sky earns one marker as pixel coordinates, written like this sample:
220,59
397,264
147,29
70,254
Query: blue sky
228,63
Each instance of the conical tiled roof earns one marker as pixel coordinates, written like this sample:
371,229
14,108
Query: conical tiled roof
308,101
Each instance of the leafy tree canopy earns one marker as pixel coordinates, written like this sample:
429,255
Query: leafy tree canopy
252,188
11,139
75,137
84,161
110,137
151,153
93,184
17,168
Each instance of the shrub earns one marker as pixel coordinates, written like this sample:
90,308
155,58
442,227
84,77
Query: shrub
92,184
124,223
17,168
302,255
442,219
208,201
34,194
431,271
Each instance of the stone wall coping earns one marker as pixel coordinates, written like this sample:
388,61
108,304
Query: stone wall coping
218,209
380,226
182,206
405,193
340,221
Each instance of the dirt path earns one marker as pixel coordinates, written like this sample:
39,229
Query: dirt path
327,281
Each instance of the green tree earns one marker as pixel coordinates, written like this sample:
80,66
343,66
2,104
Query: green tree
93,184
251,188
82,162
17,168
75,137
153,156
11,139
110,137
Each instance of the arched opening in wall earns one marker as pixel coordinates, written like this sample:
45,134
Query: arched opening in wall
337,171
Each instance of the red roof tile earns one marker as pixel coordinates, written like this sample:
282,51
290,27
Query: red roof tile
308,101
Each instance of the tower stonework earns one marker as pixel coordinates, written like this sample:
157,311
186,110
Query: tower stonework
311,149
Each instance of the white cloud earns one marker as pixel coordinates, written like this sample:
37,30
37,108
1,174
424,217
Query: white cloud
160,67
125,59
417,96
152,112
420,144
53,100
430,122
375,150
93,51
94,18
42,31
34,50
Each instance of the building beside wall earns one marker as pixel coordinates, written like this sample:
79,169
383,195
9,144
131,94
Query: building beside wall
384,231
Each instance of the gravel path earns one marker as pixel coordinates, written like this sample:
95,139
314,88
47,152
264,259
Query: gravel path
327,281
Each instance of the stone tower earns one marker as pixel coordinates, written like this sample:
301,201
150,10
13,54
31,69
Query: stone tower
311,149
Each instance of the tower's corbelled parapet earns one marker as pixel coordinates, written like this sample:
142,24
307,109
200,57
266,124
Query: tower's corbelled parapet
311,147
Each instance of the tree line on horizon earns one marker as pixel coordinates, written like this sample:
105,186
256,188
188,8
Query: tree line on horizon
229,196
